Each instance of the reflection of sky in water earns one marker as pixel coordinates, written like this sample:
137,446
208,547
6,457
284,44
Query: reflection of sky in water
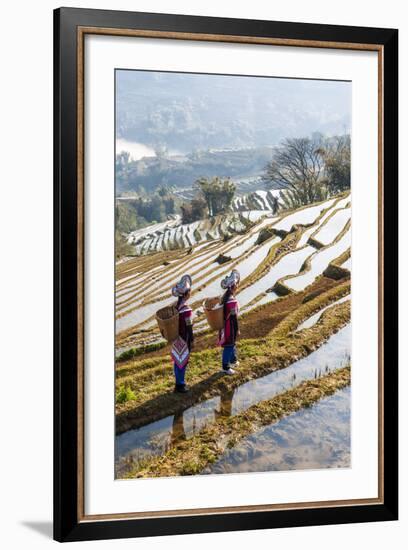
287,265
157,437
197,267
305,216
310,321
329,231
312,438
160,279
308,232
319,261
245,267
334,354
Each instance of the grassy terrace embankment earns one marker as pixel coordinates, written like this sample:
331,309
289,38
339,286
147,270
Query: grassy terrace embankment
335,270
262,349
188,457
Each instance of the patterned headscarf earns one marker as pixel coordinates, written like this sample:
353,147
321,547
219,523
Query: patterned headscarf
182,286
231,280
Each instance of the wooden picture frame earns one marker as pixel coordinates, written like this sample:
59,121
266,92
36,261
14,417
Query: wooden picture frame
70,27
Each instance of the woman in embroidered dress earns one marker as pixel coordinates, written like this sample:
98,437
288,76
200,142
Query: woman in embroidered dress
182,346
228,335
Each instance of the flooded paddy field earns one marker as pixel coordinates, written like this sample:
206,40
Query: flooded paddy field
288,405
313,438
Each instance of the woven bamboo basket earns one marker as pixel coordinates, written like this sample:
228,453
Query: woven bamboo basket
168,320
214,311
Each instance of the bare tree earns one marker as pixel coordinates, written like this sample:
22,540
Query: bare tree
298,167
296,160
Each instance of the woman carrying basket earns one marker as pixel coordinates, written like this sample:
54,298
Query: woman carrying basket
228,335
181,347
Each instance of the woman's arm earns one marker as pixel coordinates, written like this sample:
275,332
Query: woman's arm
234,322
188,320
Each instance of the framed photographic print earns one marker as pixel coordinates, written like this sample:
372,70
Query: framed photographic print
225,274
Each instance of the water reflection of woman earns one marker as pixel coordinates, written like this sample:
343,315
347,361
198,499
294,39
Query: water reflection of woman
178,432
225,404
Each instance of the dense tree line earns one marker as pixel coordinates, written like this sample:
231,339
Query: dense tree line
140,211
213,196
218,194
193,210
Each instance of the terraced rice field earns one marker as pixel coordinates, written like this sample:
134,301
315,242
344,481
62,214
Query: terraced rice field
332,226
318,261
294,347
173,235
258,200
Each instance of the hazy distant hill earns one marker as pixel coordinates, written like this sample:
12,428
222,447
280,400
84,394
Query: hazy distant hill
184,112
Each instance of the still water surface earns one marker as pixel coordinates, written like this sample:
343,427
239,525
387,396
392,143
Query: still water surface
157,437
312,438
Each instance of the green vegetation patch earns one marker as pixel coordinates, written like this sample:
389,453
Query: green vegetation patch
124,394
140,350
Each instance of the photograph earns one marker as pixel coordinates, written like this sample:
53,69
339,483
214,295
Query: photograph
233,272
203,230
